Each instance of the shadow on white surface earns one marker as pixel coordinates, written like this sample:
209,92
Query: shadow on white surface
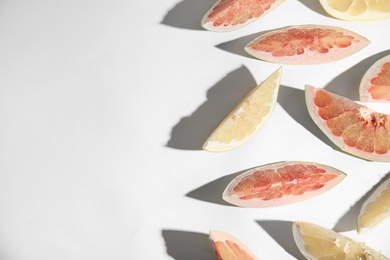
184,245
212,191
281,232
348,221
315,6
192,131
187,14
347,83
237,46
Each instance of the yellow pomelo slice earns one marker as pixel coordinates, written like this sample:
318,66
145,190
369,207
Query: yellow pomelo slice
228,247
247,117
357,10
375,208
316,242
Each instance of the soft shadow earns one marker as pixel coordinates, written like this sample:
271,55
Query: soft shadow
281,232
184,245
212,191
293,102
315,6
191,131
237,46
348,221
347,83
188,14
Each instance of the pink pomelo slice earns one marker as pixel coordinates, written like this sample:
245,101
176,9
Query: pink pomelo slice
230,15
281,183
375,84
228,247
306,44
354,128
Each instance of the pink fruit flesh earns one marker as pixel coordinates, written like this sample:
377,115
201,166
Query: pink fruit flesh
307,44
354,128
228,247
228,15
281,183
380,84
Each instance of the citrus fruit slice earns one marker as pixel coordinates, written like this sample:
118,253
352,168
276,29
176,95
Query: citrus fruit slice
354,128
375,84
228,247
306,44
317,242
230,15
375,208
281,183
247,117
357,10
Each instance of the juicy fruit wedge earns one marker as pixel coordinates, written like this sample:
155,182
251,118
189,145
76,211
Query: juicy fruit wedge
306,44
316,242
227,247
357,10
375,84
375,208
354,128
247,117
281,183
230,15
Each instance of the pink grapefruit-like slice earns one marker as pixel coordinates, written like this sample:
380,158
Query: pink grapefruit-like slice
306,44
228,247
230,15
281,183
354,128
375,84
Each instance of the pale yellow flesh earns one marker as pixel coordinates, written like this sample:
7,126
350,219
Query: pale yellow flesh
316,242
358,9
247,118
375,209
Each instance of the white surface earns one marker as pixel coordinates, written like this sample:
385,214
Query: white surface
104,106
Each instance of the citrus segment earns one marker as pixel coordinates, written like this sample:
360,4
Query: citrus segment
375,84
228,247
306,44
357,10
354,128
229,15
281,183
375,208
316,242
247,117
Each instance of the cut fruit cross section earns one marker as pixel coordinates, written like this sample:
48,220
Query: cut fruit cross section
375,208
317,242
228,247
247,117
281,183
230,15
375,84
357,10
354,128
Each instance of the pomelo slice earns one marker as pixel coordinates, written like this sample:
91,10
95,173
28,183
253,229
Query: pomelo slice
281,183
247,117
306,44
357,10
375,84
317,242
354,128
375,208
230,15
228,247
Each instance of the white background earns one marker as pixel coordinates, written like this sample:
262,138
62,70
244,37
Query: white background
104,106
